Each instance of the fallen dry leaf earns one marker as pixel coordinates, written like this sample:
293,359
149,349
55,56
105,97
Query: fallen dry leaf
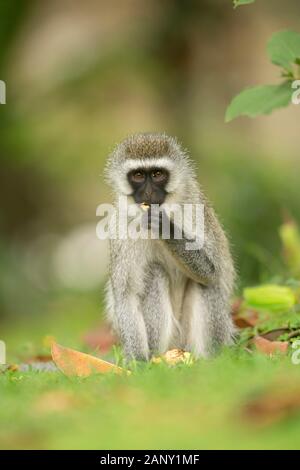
173,356
270,347
273,335
248,318
72,362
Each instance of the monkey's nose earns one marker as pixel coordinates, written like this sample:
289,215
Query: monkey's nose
148,196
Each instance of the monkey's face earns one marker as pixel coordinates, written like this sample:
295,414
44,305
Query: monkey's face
150,168
148,185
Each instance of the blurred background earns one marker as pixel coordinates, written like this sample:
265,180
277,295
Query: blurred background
80,76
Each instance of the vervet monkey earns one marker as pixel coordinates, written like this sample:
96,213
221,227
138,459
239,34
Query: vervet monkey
161,295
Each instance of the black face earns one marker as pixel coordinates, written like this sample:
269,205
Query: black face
148,185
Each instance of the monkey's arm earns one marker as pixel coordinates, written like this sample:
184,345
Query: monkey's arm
201,264
196,264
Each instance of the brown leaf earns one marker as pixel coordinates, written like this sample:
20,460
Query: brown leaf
72,362
270,347
247,319
272,335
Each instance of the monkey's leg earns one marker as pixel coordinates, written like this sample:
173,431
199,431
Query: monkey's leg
157,310
207,324
131,328
219,322
124,311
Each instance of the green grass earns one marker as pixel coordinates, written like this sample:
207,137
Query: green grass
201,406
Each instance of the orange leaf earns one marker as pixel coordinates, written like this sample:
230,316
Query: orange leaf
72,362
270,347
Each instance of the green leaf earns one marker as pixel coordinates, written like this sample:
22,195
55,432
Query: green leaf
259,100
284,49
237,3
270,297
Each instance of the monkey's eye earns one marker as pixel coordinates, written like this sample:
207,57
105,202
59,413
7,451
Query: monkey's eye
158,175
138,176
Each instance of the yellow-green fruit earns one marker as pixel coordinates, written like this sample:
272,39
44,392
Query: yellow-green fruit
270,297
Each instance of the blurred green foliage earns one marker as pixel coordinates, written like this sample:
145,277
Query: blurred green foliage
79,81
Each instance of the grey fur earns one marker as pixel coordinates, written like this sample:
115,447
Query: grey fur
159,294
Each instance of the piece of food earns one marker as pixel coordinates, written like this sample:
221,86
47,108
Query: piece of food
144,206
174,356
75,363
